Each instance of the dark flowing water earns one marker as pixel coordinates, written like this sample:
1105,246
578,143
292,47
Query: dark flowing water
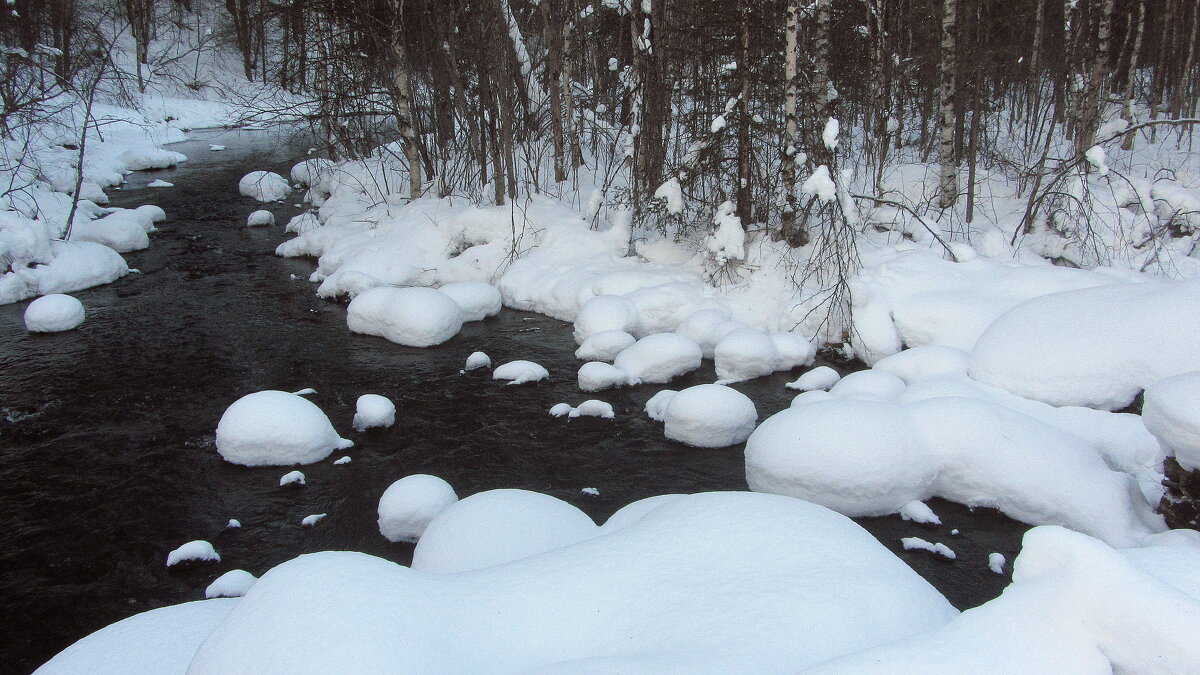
107,459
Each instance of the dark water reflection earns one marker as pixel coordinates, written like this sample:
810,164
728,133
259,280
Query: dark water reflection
106,433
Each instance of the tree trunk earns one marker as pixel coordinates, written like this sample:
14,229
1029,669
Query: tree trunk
404,101
793,233
948,182
744,210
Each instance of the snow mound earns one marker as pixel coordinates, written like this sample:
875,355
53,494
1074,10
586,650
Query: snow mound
869,384
232,584
645,597
373,410
159,183
275,428
54,313
264,186
410,504
310,171
996,562
709,416
919,544
924,363
561,409
520,372
821,377
344,459
74,266
1095,347
259,218
413,317
145,157
656,407
153,213
123,230
478,360
919,512
659,358
478,300
593,408
793,351
597,375
305,222
312,519
604,346
1171,411
745,354
707,327
606,313
292,477
496,527
870,458
193,551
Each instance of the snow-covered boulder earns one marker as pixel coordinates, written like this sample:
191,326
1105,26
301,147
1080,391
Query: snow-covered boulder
123,231
1094,347
232,584
869,384
498,526
264,186
300,224
275,428
659,358
604,313
1171,411
706,327
745,354
709,416
413,317
312,519
310,171
821,377
604,346
145,157
597,375
411,503
656,407
478,360
793,350
373,410
151,214
561,409
193,551
925,363
520,372
54,313
260,218
593,408
292,478
478,300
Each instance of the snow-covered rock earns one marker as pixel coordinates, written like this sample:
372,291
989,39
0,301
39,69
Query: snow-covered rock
373,410
604,346
259,218
308,172
659,358
413,317
159,183
706,327
292,478
264,186
193,551
792,350
520,372
145,157
919,512
478,300
74,266
54,313
924,363
410,504
709,416
869,384
343,460
593,408
1094,347
597,375
123,230
1171,411
919,544
312,519
604,313
478,360
232,584
561,409
745,354
656,407
498,526
821,377
275,428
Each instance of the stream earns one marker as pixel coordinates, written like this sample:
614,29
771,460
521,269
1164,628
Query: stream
107,459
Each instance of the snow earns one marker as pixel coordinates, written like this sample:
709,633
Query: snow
478,360
304,222
159,183
259,218
590,491
311,171
344,459
593,408
520,372
561,409
829,135
413,317
727,243
821,377
1094,347
745,354
659,358
232,584
73,266
411,503
919,512
1171,411
672,194
656,407
123,230
373,410
597,375
54,313
865,457
264,186
919,544
312,519
604,346
216,148
926,362
820,185
233,523
145,157
996,562
275,428
707,327
872,384
606,313
193,551
709,416
645,596
292,477
478,300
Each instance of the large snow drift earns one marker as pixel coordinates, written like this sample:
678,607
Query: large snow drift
275,428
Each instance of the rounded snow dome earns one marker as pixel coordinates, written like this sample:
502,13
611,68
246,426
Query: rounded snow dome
745,354
53,313
710,416
413,317
411,503
1171,412
604,313
478,300
275,428
264,186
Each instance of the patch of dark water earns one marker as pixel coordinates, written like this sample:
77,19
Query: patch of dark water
106,437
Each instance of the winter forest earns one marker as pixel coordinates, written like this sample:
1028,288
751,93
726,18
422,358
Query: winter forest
890,310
